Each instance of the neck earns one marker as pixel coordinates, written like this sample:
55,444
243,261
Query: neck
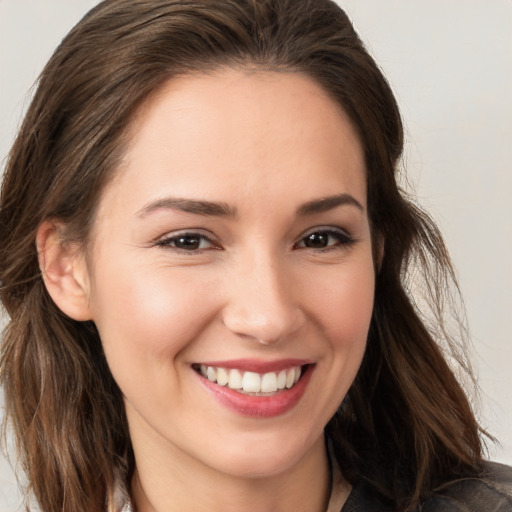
178,484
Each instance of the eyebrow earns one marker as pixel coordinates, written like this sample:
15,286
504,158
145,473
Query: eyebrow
194,206
220,209
328,203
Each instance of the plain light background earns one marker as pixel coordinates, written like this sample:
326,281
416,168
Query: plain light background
450,65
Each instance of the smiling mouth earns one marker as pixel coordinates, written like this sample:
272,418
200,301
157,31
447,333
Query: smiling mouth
252,383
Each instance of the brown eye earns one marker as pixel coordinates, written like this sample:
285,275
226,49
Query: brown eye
317,240
323,239
189,242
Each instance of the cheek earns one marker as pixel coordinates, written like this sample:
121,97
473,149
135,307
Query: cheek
344,304
148,315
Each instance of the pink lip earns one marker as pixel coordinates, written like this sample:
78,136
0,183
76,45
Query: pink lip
259,406
253,365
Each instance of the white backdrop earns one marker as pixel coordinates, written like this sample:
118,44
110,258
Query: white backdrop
450,64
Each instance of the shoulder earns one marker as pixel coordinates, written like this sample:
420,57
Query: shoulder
490,491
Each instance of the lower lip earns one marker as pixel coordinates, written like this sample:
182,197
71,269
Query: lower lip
260,406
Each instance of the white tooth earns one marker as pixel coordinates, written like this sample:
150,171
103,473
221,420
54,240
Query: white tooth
269,382
297,374
211,373
281,379
290,378
251,382
202,368
235,380
222,377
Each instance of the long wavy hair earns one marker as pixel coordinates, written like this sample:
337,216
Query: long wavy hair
406,425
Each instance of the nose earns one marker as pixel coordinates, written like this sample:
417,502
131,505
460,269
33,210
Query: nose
262,305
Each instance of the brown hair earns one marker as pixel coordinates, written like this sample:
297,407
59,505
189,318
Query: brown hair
406,425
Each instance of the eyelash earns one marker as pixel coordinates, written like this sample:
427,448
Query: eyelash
168,242
342,240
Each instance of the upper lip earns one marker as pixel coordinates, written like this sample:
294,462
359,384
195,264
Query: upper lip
258,366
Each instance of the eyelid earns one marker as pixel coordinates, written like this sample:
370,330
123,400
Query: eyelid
326,229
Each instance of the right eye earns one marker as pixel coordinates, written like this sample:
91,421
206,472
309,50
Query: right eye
186,242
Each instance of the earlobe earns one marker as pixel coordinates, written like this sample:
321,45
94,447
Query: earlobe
64,271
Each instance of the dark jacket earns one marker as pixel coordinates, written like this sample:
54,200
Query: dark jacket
491,492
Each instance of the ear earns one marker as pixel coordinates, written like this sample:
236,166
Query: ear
64,271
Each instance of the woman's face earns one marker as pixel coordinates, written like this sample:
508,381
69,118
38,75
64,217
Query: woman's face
231,274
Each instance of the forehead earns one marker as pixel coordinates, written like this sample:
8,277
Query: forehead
249,132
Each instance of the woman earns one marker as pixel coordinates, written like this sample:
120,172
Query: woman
205,259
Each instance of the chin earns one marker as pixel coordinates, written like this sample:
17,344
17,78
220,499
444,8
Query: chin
254,466
264,458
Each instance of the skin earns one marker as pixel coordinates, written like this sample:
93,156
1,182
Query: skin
264,144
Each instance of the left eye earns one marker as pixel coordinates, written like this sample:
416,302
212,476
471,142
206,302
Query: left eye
324,239
186,242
